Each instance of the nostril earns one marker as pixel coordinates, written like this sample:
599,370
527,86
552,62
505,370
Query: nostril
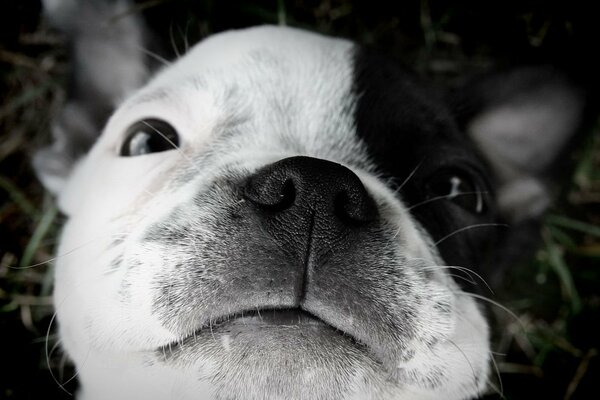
355,208
310,187
270,194
287,196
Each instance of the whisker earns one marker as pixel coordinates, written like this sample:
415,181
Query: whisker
149,193
468,362
48,353
189,160
446,196
499,390
75,374
414,171
54,348
495,303
173,44
52,259
466,270
184,35
463,278
467,228
62,364
155,56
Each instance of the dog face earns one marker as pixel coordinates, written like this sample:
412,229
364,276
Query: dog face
277,215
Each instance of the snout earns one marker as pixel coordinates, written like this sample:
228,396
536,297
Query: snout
311,208
301,241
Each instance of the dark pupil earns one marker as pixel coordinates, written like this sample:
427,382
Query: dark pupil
458,190
149,136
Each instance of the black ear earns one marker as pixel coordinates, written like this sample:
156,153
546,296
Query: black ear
523,122
108,61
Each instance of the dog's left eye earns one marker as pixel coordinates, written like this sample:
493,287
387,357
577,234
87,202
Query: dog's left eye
149,136
459,188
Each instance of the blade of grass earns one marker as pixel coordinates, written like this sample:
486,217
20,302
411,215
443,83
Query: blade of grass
25,98
48,281
586,170
18,197
561,236
560,267
565,222
10,307
281,13
39,234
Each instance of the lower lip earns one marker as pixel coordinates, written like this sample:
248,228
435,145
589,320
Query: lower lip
283,317
251,320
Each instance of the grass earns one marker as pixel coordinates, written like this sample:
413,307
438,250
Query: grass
551,351
554,353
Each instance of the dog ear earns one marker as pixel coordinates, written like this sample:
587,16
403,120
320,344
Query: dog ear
108,61
523,122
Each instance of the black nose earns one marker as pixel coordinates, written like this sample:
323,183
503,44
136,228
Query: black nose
310,186
309,206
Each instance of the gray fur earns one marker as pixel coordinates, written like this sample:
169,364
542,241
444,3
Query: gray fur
108,64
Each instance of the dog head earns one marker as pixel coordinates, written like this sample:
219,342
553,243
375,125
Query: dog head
280,214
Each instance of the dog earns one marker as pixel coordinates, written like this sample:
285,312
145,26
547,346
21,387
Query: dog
284,215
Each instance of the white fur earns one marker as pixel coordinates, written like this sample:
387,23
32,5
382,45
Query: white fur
284,93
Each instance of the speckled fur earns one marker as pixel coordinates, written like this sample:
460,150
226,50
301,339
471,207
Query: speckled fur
169,258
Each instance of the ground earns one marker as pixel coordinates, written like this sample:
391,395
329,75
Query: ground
551,304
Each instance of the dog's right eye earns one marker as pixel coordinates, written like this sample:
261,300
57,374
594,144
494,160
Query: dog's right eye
459,188
149,136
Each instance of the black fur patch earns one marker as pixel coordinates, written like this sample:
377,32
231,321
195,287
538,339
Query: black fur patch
412,136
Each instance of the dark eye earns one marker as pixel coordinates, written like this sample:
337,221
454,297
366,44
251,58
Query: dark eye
149,136
458,188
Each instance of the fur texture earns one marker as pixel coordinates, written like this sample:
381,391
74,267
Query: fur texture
173,283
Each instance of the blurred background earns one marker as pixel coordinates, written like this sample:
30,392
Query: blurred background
547,350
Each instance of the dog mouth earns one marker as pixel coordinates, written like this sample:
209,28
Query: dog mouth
274,316
259,321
